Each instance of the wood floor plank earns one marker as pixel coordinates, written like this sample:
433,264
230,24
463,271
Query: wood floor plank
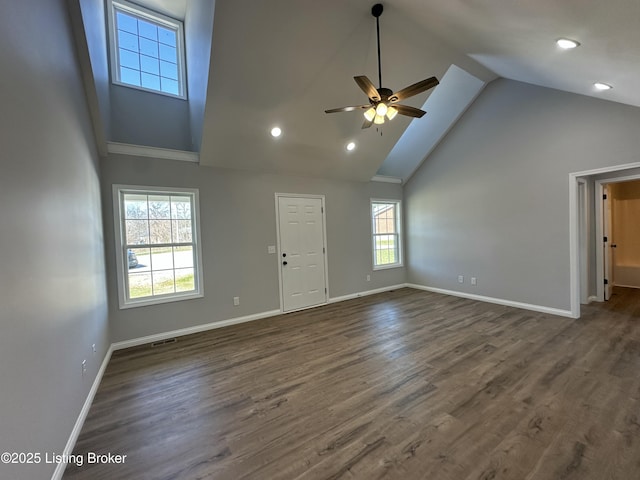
401,385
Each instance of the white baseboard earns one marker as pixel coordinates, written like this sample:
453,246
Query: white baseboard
592,298
498,301
365,293
196,329
71,443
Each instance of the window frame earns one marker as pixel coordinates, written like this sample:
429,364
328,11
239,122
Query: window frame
120,244
399,234
158,19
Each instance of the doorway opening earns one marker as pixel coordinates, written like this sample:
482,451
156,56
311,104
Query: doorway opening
586,231
619,245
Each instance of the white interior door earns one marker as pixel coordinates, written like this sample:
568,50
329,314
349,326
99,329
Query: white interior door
302,252
608,261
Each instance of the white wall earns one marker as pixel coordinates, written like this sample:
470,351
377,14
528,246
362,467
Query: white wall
492,201
53,302
237,216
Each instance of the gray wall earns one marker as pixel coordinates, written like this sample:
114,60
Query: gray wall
237,211
52,285
492,201
149,119
198,30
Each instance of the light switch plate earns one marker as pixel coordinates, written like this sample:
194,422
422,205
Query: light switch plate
271,249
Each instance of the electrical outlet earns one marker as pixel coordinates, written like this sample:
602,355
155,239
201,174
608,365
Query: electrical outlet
368,278
271,249
84,367
236,301
460,278
474,281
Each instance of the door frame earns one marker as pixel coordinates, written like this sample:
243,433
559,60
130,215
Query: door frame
583,243
278,195
574,250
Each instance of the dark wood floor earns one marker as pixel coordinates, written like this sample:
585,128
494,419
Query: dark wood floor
402,385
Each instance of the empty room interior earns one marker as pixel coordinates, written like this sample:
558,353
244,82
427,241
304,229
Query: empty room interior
320,240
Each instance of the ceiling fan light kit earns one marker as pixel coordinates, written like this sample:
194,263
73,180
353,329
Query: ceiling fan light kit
382,101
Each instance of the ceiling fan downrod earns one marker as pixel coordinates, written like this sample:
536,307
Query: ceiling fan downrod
376,11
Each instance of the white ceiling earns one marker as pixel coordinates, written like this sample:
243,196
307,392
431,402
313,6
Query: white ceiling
284,62
515,39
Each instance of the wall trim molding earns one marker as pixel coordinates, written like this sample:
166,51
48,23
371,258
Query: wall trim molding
498,301
195,329
386,179
77,428
153,152
351,296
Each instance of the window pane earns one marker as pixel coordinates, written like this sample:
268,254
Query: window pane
161,258
159,206
149,47
169,70
167,53
160,231
185,280
126,22
142,33
128,41
135,206
169,86
131,77
149,65
182,232
137,232
153,262
150,81
180,207
148,30
129,59
140,285
182,257
163,282
139,259
167,36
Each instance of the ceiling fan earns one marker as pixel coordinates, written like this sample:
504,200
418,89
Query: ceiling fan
382,101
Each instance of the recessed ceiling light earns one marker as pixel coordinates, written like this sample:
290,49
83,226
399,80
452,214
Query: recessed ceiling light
567,43
351,146
602,86
276,132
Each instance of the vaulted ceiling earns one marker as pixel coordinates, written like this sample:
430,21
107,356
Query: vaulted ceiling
284,62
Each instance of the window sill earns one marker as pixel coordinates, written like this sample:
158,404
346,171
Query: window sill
387,267
159,300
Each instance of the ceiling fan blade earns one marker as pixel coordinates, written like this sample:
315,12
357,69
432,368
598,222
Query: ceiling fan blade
367,124
348,109
414,89
367,87
409,111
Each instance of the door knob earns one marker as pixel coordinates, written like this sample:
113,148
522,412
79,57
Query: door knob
614,246
284,263
284,255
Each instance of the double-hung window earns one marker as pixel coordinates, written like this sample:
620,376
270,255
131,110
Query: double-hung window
147,50
387,234
157,245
